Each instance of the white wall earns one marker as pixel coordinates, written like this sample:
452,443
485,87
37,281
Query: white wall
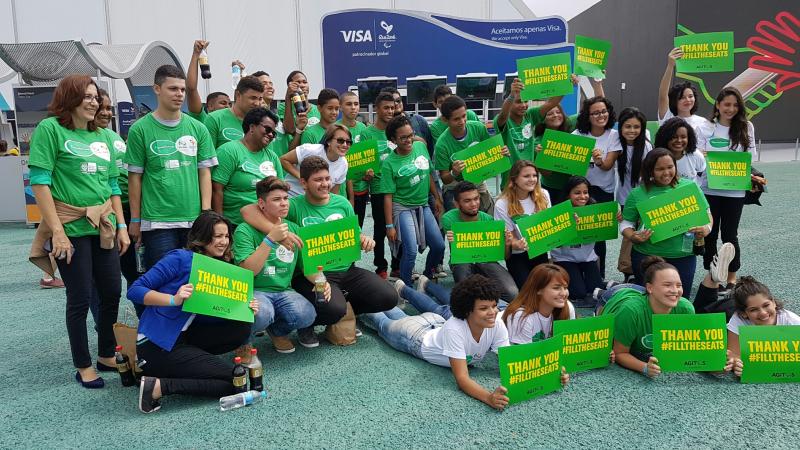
265,35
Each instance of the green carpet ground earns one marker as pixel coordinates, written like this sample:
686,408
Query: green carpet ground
371,396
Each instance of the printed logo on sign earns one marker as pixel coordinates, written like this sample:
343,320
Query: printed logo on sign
232,134
387,38
357,35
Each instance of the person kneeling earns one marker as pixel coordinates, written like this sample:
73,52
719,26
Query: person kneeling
178,348
281,308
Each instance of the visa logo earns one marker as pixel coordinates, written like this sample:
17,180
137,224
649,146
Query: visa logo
357,35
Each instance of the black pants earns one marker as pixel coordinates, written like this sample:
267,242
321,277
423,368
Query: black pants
192,367
91,266
366,292
601,196
379,234
727,212
519,266
584,277
360,207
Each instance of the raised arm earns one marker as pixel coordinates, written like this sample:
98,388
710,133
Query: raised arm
666,80
193,99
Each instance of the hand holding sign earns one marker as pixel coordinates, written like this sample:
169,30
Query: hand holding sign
183,293
367,243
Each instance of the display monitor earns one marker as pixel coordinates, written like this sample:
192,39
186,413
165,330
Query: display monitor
476,86
420,89
369,88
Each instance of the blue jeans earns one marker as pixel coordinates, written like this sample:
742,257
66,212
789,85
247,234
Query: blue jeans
686,267
158,243
438,302
433,239
606,294
402,332
282,312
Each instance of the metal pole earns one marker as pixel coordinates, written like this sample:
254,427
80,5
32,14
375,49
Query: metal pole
796,147
758,150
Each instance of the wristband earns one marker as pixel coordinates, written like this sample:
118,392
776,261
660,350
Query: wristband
645,370
121,225
171,300
299,130
389,225
270,243
135,220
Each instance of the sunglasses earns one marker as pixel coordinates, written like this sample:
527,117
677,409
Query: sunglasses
343,141
268,130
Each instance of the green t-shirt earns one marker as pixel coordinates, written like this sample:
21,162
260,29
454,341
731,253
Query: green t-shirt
355,131
119,147
452,216
518,137
407,177
313,134
556,180
633,321
201,116
223,126
385,147
81,164
438,126
668,248
447,145
238,171
169,158
276,275
304,213
280,143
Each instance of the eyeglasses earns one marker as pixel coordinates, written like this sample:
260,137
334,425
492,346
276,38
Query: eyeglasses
89,97
599,113
407,137
267,129
343,141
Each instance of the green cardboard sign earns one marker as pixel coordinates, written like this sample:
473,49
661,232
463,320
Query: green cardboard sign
565,152
477,242
530,370
330,244
548,229
674,212
690,342
705,52
545,76
220,289
361,157
483,160
591,56
597,222
729,170
586,342
652,127
770,354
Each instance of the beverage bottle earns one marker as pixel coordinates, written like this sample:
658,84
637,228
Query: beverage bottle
242,399
236,75
140,267
255,371
699,247
205,68
137,368
319,285
239,376
124,367
299,101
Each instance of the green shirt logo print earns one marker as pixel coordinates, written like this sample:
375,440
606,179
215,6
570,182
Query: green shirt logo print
315,220
187,145
99,149
719,142
407,170
647,341
232,134
282,254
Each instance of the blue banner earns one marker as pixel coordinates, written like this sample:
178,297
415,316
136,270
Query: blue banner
364,43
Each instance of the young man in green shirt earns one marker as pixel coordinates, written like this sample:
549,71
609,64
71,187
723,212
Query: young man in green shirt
461,134
225,125
439,126
328,106
467,200
281,308
294,123
269,88
357,191
169,159
384,107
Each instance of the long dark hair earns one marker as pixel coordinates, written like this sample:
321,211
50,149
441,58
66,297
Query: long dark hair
738,130
202,233
638,146
584,125
575,181
668,130
676,92
649,165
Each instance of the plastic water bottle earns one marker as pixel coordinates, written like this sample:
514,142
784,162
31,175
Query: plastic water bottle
243,399
239,376
319,285
140,267
236,75
124,367
255,371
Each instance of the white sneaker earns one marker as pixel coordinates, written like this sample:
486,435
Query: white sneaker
421,282
398,286
720,263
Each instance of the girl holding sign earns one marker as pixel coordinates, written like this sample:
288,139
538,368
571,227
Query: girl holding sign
596,120
522,196
678,100
729,131
542,300
179,348
554,119
677,136
406,182
659,176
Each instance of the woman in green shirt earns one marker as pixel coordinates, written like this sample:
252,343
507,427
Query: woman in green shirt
660,176
406,181
243,163
74,174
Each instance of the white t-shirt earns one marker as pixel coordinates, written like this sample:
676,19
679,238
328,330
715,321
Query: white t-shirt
694,120
337,169
713,137
574,253
785,317
692,166
454,340
625,187
533,327
608,142
528,206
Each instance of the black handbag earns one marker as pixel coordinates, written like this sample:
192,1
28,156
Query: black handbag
753,196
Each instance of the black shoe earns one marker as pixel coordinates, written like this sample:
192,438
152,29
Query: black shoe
97,383
146,402
104,368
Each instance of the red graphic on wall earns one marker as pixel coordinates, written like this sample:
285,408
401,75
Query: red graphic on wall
778,45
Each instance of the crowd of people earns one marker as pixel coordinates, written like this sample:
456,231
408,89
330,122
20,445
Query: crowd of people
235,180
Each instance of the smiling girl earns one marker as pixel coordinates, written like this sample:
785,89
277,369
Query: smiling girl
679,100
677,136
542,300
